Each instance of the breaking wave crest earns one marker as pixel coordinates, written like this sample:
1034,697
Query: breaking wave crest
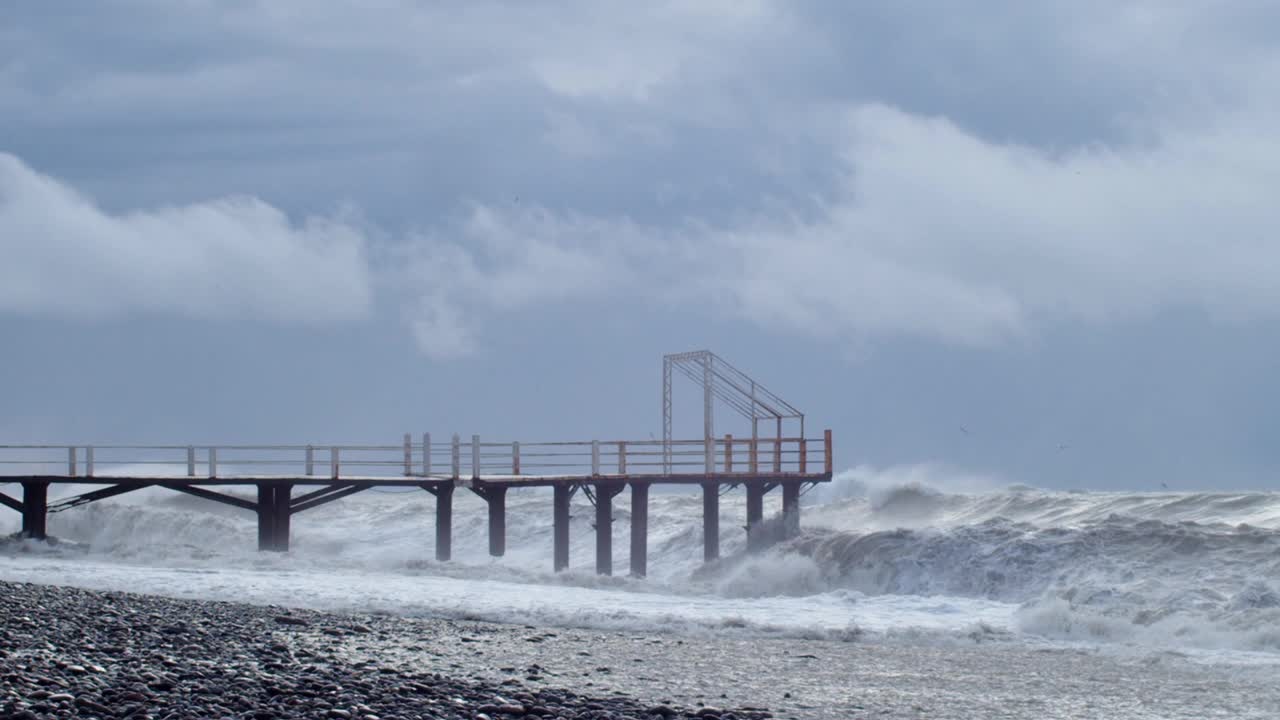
1197,570
1200,569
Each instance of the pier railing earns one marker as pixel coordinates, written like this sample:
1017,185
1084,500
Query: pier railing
456,458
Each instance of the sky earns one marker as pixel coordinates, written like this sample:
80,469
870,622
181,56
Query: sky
1027,241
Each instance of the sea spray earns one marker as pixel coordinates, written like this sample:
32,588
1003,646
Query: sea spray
887,554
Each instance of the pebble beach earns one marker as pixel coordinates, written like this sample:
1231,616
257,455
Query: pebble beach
67,652
73,652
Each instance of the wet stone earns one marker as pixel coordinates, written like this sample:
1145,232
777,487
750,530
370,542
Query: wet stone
67,652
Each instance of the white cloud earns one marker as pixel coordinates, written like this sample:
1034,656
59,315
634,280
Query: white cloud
935,227
499,262
439,329
1095,233
236,257
936,233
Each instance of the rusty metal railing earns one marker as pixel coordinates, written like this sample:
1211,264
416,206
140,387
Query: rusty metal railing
422,457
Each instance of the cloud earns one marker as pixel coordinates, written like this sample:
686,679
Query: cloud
235,257
496,262
438,328
1095,233
835,170
934,233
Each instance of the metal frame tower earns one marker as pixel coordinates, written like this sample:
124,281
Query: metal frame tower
721,380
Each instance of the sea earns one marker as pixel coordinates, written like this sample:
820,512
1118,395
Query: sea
1177,586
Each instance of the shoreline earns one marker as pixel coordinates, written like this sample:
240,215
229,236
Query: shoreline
810,679
68,652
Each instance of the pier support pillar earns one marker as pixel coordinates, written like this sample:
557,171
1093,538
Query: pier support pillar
266,516
791,508
444,522
496,497
284,513
497,521
605,493
639,529
710,521
273,516
35,509
560,521
755,513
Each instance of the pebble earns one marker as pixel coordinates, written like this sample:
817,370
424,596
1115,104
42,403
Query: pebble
68,652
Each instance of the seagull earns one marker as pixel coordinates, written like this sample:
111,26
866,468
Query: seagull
1166,487
964,430
1063,446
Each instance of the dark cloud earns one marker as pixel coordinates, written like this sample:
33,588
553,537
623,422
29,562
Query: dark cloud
950,196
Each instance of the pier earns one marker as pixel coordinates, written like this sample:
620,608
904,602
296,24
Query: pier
280,481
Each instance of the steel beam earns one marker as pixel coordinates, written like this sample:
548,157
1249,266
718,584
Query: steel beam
328,495
710,521
211,495
35,506
498,522
666,415
496,497
86,498
639,529
826,452
755,513
605,492
283,513
266,517
562,494
791,508
444,522
604,532
10,502
708,417
309,496
273,516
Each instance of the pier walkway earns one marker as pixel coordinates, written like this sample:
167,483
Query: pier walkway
325,473
284,480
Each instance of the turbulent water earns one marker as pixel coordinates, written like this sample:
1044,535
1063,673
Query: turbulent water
879,557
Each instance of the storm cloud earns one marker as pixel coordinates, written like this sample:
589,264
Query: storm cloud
1061,194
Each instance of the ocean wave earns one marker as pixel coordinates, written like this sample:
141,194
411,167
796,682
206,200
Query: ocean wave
1201,569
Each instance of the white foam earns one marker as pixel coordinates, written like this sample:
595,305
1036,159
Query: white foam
828,615
888,553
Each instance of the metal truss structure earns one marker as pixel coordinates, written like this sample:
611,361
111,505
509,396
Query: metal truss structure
720,380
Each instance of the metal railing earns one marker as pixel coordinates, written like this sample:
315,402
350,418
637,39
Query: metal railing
421,457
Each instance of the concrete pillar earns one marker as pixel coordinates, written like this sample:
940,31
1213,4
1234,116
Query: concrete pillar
444,522
496,496
755,512
35,509
791,508
639,529
266,517
604,527
710,521
283,496
560,513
